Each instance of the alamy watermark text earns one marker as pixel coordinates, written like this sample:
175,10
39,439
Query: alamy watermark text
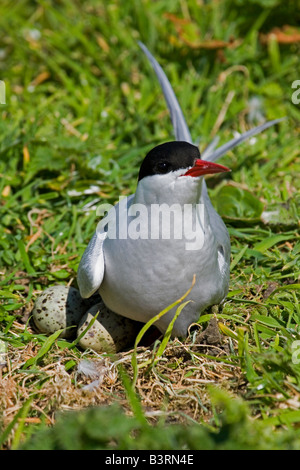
154,221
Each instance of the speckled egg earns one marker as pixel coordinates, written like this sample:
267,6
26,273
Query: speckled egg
109,333
59,307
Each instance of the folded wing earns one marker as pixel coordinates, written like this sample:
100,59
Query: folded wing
91,267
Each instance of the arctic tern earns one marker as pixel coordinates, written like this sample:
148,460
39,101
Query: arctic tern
138,276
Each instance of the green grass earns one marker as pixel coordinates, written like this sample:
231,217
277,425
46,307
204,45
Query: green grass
82,109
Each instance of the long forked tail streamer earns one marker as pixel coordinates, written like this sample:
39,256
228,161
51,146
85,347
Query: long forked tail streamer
181,129
216,154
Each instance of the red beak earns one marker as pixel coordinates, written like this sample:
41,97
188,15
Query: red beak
202,167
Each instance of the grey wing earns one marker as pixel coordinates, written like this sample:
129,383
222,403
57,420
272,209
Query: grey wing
91,267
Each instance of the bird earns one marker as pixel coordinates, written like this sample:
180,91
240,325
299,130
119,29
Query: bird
140,266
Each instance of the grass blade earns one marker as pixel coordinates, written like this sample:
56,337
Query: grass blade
147,326
167,335
21,414
44,349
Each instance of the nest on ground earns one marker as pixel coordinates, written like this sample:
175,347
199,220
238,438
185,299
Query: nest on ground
174,385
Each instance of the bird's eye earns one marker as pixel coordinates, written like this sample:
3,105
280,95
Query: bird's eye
162,167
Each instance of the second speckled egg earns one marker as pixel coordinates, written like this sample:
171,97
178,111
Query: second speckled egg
109,333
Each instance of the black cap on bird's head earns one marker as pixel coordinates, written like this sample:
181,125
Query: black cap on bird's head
172,156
